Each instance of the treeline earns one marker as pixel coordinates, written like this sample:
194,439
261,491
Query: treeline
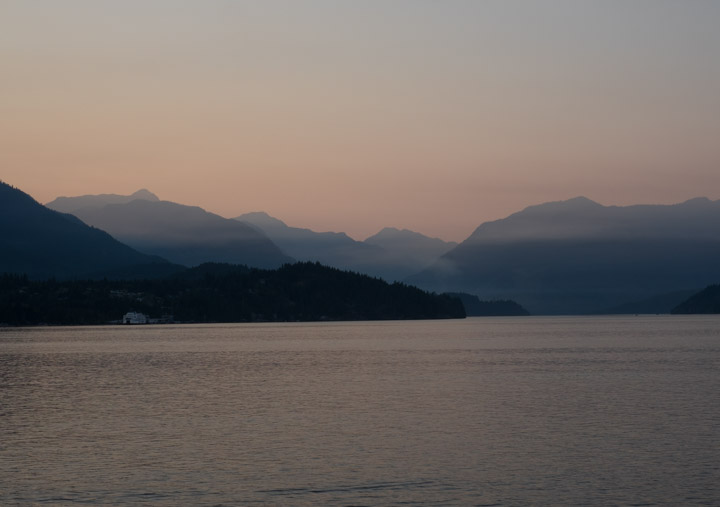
222,293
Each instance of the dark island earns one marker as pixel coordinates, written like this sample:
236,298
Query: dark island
222,293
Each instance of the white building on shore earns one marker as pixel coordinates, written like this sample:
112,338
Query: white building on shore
134,318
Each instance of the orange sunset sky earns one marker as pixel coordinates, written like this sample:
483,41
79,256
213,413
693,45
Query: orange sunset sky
355,115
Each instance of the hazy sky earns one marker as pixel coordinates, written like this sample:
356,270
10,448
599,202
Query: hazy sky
354,115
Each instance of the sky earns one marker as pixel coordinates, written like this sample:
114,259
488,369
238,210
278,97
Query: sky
351,116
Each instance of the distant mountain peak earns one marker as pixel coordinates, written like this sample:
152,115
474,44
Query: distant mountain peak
581,199
578,256
580,202
701,201
261,219
72,204
394,231
187,235
145,195
260,214
42,242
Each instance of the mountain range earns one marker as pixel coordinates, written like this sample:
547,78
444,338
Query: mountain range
578,256
190,236
43,243
566,257
391,254
186,235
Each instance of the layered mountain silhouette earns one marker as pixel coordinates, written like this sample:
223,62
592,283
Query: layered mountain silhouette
335,249
185,235
43,243
391,254
405,249
566,257
190,236
71,204
578,256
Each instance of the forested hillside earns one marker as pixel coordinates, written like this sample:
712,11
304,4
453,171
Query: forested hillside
222,293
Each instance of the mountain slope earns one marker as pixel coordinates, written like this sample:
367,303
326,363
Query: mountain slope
71,204
335,249
704,302
44,243
578,256
408,249
308,245
391,254
187,235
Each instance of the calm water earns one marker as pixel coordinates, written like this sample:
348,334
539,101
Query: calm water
496,411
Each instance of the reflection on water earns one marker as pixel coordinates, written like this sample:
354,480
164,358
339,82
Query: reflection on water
475,412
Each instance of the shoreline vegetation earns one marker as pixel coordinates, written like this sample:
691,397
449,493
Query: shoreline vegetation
301,292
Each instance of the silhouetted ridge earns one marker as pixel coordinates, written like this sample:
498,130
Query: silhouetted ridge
392,254
72,204
43,243
262,220
578,256
187,235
